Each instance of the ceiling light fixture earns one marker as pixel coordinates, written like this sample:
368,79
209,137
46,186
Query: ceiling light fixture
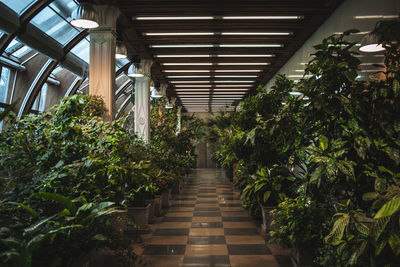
189,82
85,16
135,71
251,45
120,50
237,70
244,64
186,70
186,64
264,55
257,33
182,46
233,85
168,56
174,18
229,81
186,77
235,76
370,44
176,33
263,17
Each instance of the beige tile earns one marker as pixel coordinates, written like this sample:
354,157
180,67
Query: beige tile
183,201
244,239
175,209
234,214
174,225
231,209
206,219
207,205
206,231
164,261
180,214
277,250
253,260
195,250
167,240
238,224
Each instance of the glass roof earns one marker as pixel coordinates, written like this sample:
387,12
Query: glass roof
18,5
53,20
82,49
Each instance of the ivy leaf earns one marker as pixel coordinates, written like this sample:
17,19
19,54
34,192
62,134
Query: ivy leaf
389,208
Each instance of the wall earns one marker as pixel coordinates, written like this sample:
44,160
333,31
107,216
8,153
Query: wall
351,14
203,151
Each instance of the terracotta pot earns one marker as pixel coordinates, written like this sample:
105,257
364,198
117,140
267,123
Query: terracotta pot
140,216
158,206
166,196
151,212
267,217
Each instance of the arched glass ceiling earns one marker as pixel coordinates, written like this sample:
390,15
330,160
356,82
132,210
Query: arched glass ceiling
18,5
53,20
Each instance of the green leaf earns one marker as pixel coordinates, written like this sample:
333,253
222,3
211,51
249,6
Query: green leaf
323,142
394,242
60,199
370,196
396,88
267,194
25,207
388,209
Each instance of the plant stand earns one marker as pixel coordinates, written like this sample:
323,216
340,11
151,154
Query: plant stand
141,216
267,217
151,211
158,206
166,196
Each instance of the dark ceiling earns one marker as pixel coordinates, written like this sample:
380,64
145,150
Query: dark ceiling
235,36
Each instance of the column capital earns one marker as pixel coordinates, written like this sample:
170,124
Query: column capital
108,16
146,64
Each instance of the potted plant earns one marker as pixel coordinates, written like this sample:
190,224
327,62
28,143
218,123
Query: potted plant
137,205
299,224
268,190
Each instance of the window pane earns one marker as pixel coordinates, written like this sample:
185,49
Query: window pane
18,5
82,50
43,94
22,51
55,26
4,82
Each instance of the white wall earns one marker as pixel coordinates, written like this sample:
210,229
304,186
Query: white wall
345,17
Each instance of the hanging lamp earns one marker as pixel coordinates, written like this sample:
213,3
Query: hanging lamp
85,16
370,44
135,71
120,50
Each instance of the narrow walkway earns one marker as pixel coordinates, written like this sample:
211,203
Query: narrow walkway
206,226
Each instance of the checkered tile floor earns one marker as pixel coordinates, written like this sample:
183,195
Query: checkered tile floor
206,226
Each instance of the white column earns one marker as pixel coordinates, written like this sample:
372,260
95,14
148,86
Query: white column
142,102
102,58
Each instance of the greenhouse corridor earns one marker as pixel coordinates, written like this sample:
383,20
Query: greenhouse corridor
189,133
